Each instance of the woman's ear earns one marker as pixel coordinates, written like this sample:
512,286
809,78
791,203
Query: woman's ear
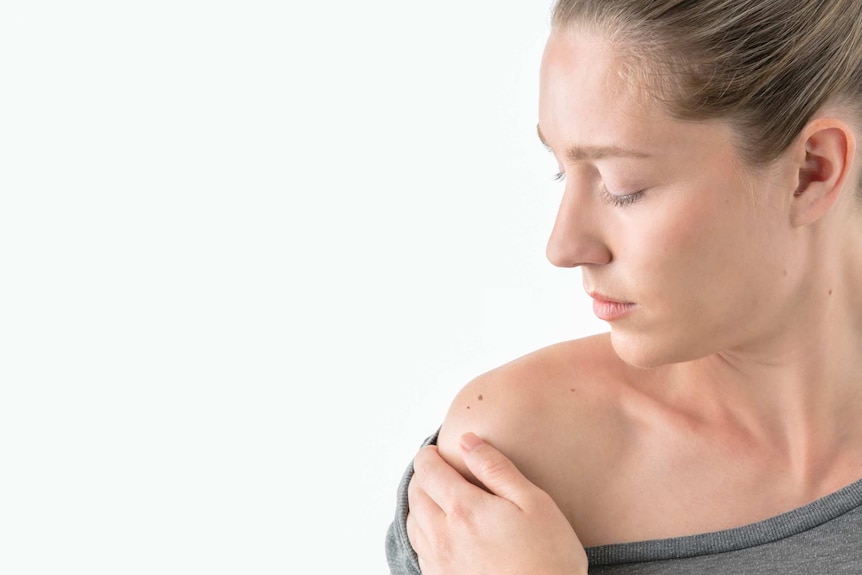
830,146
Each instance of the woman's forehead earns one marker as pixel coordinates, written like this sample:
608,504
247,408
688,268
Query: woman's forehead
582,92
587,101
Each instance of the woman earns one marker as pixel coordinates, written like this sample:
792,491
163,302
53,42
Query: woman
712,201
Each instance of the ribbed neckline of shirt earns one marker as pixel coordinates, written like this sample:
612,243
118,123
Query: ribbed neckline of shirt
801,519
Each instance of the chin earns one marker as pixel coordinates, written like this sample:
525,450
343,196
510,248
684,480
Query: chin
645,351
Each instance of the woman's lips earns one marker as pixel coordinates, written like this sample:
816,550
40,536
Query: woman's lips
608,309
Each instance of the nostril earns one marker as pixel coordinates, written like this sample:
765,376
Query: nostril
558,255
573,250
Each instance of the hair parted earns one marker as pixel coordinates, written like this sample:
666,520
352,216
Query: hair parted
766,66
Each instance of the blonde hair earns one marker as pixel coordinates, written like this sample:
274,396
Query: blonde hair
766,66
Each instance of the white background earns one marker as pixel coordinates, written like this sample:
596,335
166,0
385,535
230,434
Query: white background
249,251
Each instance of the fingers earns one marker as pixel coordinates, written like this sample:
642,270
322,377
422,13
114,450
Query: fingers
440,482
418,535
419,501
495,470
426,519
423,516
415,534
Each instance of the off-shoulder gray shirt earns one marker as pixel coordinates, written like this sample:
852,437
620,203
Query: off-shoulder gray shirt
821,538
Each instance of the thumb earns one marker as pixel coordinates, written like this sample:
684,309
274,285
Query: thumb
494,469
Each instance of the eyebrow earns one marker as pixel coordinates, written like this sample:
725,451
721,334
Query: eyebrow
581,153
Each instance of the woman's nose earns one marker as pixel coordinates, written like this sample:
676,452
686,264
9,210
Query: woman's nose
576,238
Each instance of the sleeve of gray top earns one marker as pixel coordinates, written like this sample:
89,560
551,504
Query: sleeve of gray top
399,553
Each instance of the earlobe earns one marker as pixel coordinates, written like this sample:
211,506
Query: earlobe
829,149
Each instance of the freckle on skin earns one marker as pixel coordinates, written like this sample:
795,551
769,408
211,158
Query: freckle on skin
785,273
481,398
468,407
830,292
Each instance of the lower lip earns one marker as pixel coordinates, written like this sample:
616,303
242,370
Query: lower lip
611,310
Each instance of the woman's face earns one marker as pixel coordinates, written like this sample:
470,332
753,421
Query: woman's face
661,213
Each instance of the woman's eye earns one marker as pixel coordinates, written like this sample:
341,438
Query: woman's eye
620,201
613,199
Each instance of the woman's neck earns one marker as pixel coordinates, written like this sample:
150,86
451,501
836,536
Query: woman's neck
798,390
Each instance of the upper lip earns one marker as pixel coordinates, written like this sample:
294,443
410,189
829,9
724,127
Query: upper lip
602,297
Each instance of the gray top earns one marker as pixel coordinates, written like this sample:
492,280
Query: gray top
821,538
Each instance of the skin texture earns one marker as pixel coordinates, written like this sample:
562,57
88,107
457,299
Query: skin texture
737,367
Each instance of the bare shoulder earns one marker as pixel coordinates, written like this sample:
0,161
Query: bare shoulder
554,412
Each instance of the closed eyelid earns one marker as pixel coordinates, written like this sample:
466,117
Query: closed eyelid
618,200
621,201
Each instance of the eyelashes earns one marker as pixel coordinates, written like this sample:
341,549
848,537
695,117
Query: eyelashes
612,199
621,201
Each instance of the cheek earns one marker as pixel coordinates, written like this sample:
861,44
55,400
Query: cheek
674,240
719,261
685,257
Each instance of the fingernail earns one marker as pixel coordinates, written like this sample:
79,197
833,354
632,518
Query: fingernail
470,441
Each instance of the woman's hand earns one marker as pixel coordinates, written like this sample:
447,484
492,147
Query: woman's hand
458,528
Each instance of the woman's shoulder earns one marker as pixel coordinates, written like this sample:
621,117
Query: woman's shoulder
565,399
